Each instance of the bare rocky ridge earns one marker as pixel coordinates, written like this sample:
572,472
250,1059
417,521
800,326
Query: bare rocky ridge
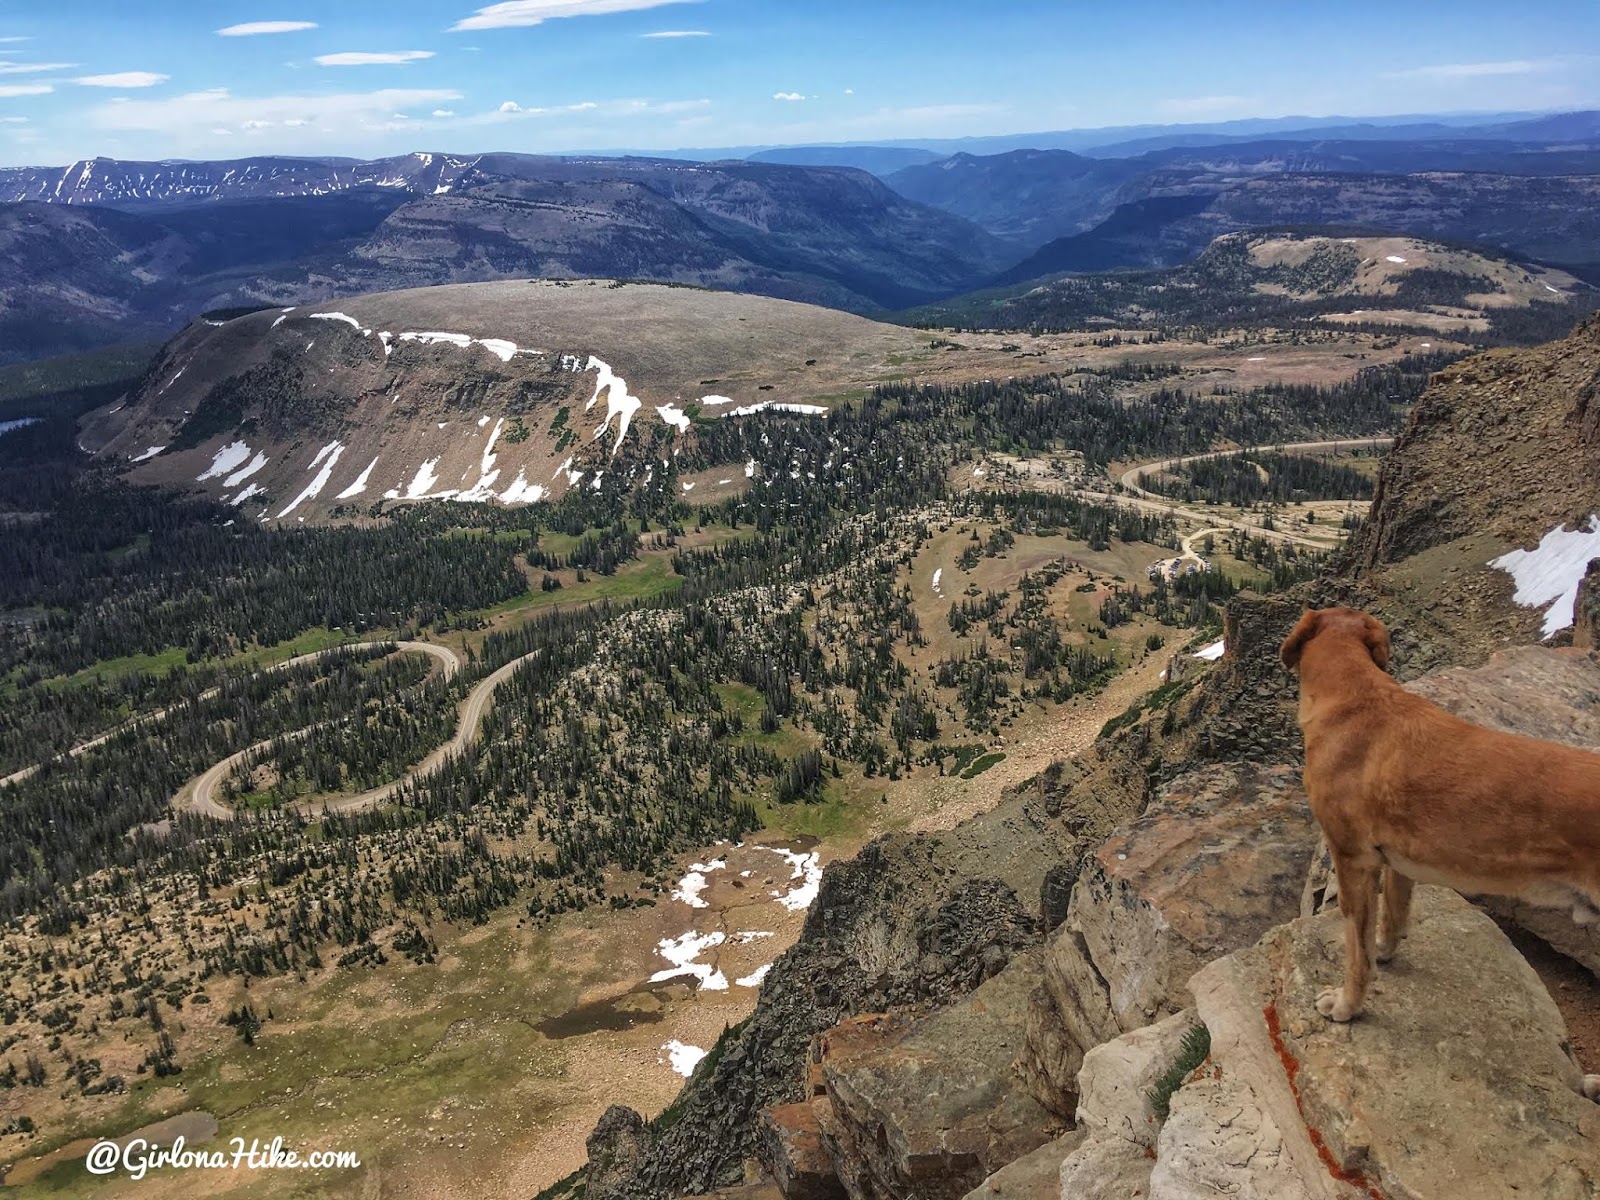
1184,844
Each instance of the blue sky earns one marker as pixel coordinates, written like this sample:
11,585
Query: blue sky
174,78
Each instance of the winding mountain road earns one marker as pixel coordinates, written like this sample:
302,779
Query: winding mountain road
199,796
1136,497
448,657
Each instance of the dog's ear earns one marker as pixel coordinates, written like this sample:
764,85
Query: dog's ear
1376,638
1302,633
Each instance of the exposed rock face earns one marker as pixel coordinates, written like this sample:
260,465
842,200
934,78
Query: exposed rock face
939,1110
1532,412
1456,1082
1214,863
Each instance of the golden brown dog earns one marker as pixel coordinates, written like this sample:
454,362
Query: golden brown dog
1402,787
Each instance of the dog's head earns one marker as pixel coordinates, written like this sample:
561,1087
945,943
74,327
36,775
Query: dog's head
1347,621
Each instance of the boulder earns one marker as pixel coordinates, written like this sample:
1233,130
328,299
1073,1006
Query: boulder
940,1110
1214,863
790,1147
1217,859
1034,1176
1456,1082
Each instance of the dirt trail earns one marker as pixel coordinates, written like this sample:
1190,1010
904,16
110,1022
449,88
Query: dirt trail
447,656
199,796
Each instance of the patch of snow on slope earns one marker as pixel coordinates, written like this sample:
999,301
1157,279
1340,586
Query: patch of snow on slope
314,489
618,401
715,400
1394,258
8,426
150,452
488,448
249,469
750,469
360,485
422,482
1212,652
480,492
1549,574
805,410
252,490
1548,288
224,461
521,491
683,952
755,977
674,416
336,316
688,487
692,884
685,1058
806,867
937,575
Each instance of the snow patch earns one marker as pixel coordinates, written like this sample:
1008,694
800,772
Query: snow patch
249,469
683,952
360,485
521,491
252,490
150,452
1548,575
422,482
713,401
1212,652
1394,258
805,867
488,448
750,469
674,416
336,316
937,575
225,460
695,882
755,977
685,1058
618,400
314,489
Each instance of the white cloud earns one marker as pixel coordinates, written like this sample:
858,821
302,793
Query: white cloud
849,91
1199,106
33,68
512,109
9,40
533,12
787,96
1467,70
252,28
13,120
123,79
196,115
362,58
24,89
444,112
677,33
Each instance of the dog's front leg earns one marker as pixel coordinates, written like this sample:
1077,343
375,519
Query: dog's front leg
1358,885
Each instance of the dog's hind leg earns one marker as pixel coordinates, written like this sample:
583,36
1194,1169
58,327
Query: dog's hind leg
1358,901
1396,913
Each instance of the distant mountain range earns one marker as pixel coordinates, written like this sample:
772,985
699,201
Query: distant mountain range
105,250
